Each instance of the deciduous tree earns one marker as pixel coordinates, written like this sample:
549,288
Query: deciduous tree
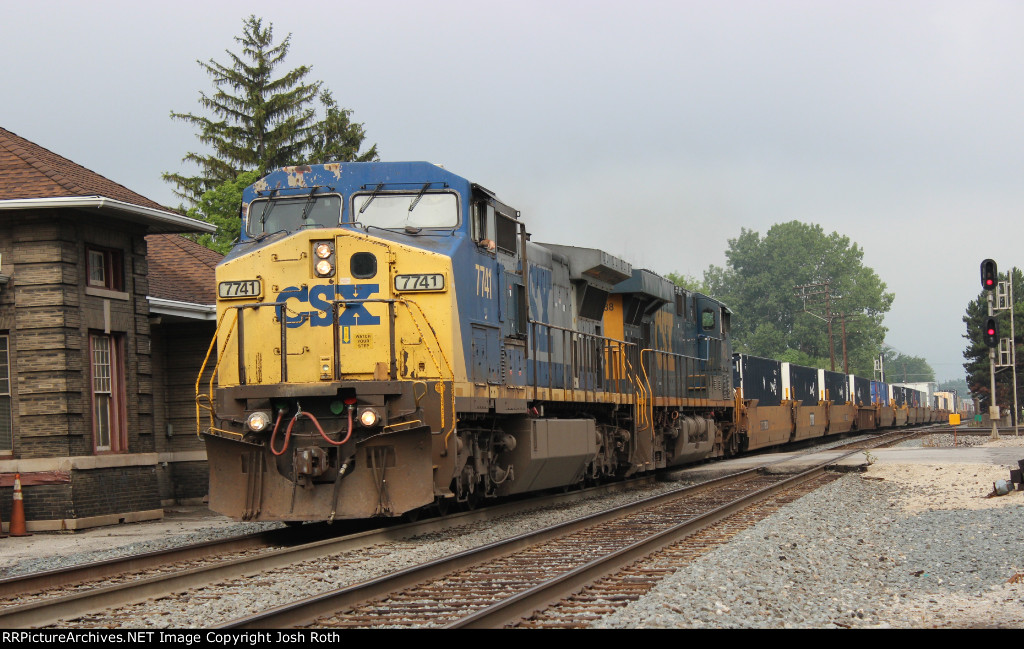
904,368
220,206
759,283
688,282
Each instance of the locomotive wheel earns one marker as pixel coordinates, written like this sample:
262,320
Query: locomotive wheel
473,500
442,506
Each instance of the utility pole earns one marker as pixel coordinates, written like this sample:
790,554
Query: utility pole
822,289
842,319
846,361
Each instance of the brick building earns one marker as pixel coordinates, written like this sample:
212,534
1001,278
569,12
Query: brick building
106,314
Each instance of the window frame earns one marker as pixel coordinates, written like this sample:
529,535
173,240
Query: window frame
290,199
354,214
706,314
506,233
112,265
113,399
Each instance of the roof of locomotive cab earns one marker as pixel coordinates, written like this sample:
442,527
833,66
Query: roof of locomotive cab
353,176
347,178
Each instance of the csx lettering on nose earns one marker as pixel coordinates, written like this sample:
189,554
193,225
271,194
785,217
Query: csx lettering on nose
319,297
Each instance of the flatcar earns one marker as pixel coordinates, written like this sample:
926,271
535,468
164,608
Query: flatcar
390,339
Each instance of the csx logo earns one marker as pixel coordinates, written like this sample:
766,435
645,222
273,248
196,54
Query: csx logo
319,297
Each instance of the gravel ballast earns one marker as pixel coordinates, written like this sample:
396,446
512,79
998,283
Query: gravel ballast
899,546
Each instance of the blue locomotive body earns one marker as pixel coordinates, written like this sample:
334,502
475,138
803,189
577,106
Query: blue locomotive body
390,338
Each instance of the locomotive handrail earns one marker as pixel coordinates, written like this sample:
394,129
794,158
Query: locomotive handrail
572,362
213,376
581,333
682,386
642,395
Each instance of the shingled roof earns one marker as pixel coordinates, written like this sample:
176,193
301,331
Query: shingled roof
34,177
181,270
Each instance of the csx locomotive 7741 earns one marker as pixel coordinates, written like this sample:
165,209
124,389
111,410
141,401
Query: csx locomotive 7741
389,338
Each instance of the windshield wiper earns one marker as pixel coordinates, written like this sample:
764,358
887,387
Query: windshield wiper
309,201
266,234
266,211
416,200
372,196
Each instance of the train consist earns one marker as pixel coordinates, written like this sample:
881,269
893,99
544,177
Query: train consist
389,338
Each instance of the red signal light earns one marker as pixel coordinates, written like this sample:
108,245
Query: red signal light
991,333
989,275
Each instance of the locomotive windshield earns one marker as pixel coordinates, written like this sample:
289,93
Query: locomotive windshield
410,211
293,213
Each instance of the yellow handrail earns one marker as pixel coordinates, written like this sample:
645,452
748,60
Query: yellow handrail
213,375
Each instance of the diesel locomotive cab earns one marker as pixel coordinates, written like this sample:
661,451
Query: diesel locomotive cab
335,346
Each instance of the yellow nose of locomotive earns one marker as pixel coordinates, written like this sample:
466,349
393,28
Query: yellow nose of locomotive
312,308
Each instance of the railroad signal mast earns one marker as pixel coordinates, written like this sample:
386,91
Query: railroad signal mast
990,334
1006,347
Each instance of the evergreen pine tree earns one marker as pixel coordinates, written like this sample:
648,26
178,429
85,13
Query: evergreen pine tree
261,122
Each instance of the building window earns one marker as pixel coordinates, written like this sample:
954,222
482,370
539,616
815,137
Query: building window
105,268
108,393
6,420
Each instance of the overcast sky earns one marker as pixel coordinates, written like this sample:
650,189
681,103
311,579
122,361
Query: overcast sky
654,130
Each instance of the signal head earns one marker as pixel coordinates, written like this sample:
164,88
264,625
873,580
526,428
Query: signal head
990,333
989,275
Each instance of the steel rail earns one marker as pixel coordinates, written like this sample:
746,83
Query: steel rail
38,581
305,611
543,595
54,609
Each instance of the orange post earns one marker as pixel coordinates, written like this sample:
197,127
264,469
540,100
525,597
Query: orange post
18,510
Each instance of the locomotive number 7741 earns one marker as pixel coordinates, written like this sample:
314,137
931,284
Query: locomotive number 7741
242,288
420,282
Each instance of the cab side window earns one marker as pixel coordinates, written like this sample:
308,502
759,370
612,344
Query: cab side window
483,221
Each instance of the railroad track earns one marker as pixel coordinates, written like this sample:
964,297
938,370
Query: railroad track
606,594
887,438
506,582
79,595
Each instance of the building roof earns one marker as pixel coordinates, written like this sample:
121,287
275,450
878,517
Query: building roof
32,177
181,270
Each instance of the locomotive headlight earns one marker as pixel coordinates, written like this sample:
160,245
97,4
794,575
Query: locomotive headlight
323,250
323,256
323,268
258,421
369,417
